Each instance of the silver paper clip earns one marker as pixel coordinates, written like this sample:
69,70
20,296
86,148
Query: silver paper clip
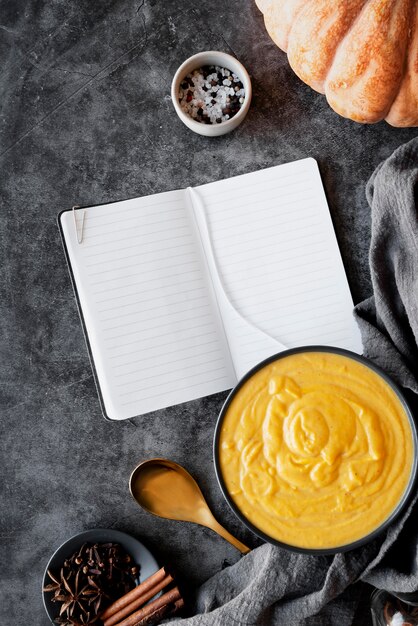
79,234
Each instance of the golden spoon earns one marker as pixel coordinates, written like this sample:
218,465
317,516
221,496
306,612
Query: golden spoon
166,489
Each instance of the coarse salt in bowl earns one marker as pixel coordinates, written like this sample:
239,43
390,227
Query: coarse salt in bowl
220,60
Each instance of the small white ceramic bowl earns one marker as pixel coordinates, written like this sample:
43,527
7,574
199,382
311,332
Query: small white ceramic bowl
221,59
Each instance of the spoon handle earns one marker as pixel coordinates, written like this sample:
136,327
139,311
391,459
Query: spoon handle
215,526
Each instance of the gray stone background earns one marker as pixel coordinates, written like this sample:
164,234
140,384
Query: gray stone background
86,118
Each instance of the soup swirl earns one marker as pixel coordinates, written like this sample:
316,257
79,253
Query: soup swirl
316,450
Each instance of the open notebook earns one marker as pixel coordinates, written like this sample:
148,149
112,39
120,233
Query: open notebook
181,293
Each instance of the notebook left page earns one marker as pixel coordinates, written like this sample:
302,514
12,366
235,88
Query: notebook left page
152,323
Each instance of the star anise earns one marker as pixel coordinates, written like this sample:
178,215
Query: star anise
74,597
55,586
97,595
89,581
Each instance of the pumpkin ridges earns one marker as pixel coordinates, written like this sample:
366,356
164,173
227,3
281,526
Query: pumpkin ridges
404,110
279,16
373,74
315,36
369,64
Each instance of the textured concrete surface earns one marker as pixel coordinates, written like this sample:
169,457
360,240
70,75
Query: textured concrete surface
86,118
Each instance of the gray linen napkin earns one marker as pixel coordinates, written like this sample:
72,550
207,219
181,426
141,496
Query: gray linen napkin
273,586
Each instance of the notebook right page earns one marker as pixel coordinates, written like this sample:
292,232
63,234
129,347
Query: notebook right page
278,258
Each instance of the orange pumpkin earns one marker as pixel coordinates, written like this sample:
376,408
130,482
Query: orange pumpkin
362,54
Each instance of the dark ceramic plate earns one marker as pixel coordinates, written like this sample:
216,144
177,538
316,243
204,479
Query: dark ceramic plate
140,554
405,498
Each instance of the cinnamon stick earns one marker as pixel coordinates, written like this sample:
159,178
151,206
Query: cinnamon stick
137,603
159,614
144,587
147,611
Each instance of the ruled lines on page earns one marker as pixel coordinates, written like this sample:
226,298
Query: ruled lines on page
278,258
236,326
154,331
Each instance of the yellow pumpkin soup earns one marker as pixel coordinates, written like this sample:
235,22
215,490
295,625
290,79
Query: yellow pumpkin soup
316,450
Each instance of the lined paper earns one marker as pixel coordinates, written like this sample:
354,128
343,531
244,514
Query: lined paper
183,292
277,261
154,328
236,326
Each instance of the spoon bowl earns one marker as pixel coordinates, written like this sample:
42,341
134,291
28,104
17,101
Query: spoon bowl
165,489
